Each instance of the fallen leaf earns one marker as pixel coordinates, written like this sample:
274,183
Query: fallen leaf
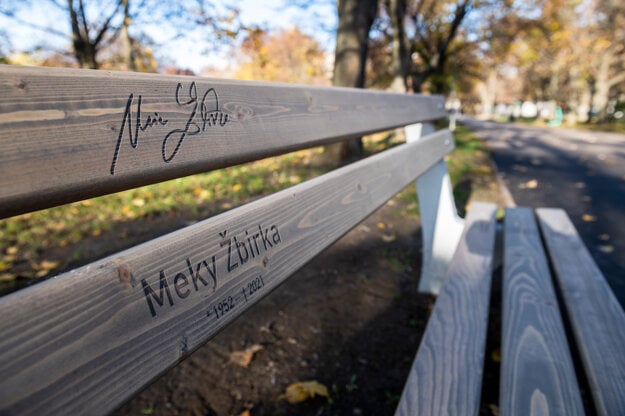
236,187
607,249
138,202
532,184
295,179
4,266
304,390
7,277
48,265
589,218
42,273
388,238
381,225
246,412
244,358
496,355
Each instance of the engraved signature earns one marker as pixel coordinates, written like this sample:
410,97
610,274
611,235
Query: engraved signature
203,113
150,121
210,117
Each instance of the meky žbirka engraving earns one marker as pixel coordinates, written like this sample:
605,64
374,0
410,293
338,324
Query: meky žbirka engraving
206,273
202,113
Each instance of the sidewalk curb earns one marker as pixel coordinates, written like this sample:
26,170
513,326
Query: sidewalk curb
506,195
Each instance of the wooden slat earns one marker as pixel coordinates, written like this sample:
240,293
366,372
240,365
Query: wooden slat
69,134
446,376
596,317
537,373
85,341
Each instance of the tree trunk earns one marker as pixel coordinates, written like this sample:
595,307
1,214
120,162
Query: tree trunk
126,40
84,49
352,43
399,51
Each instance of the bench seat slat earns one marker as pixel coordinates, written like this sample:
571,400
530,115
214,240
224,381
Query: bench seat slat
446,375
69,134
87,340
596,317
537,373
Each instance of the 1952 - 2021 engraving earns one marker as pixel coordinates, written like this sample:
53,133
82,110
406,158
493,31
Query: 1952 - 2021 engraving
202,113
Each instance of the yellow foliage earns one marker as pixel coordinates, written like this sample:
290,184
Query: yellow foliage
287,56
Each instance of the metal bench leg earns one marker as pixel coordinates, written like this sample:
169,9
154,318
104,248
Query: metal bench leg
440,224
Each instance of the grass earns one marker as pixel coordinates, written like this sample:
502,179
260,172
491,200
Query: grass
470,170
611,127
614,126
46,242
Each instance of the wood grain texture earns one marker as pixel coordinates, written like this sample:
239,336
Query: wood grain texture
596,317
537,373
87,340
446,376
69,134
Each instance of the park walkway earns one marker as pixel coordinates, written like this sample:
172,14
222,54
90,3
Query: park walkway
580,171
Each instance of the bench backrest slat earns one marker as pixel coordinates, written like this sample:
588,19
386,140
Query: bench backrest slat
87,340
68,135
597,319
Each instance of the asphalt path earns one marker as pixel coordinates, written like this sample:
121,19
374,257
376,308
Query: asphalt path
582,172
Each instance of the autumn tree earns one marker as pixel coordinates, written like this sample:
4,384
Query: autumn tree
93,26
87,33
287,55
436,45
564,51
606,45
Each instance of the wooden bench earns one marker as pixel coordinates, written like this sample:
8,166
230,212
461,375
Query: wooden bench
87,340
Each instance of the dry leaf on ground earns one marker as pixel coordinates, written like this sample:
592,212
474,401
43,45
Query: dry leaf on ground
388,238
532,184
496,355
607,249
304,390
244,358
